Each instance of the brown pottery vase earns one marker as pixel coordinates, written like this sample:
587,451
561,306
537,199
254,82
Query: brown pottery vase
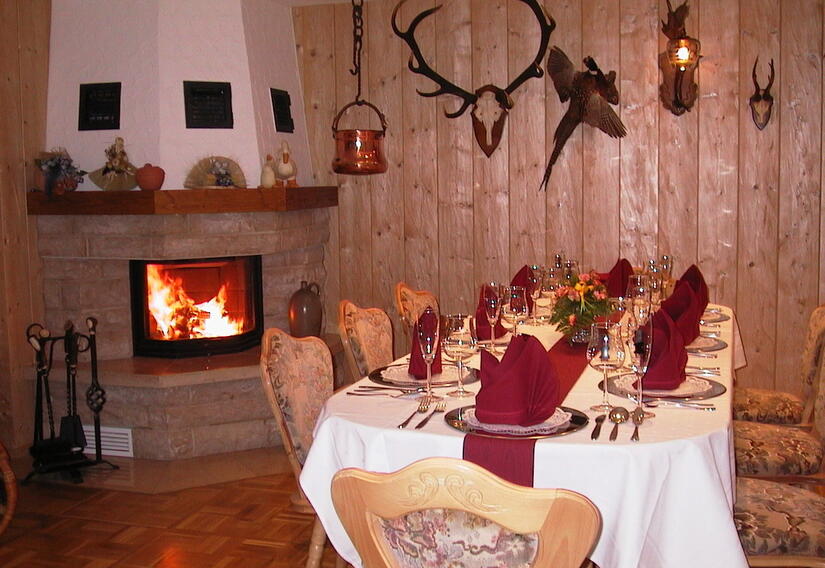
305,311
150,178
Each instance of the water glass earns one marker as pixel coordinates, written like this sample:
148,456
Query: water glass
605,351
460,342
514,306
491,296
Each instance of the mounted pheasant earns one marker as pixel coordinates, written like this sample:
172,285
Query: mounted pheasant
590,92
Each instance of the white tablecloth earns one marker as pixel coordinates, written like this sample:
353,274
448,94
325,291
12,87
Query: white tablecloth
665,501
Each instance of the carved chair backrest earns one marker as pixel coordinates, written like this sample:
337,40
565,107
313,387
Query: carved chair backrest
8,498
367,337
296,374
411,303
812,370
417,512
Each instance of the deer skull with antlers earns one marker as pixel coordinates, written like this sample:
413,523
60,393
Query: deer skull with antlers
762,101
490,103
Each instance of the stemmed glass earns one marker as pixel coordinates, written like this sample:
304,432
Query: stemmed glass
605,351
428,343
491,296
514,306
638,298
639,360
549,285
535,279
460,343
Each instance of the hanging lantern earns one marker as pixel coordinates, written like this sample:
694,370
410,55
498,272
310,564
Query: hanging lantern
358,151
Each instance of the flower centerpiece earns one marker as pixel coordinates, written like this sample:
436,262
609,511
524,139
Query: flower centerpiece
59,172
583,299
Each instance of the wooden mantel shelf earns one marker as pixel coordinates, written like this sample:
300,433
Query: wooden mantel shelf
171,202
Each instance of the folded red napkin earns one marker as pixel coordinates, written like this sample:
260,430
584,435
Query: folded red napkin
482,324
693,276
418,368
522,278
666,369
683,308
521,389
618,277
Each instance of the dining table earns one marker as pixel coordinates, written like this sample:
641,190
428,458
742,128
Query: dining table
665,500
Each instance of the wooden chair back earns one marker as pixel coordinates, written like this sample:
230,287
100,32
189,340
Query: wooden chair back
8,500
566,524
410,303
367,337
812,371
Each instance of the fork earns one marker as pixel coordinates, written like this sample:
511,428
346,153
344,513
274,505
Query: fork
422,408
441,406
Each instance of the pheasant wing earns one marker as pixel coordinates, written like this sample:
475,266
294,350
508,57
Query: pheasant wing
598,113
562,72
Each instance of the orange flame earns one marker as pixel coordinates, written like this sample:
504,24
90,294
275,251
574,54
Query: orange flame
176,314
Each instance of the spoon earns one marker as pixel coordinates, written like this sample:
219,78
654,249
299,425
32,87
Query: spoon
637,416
598,429
618,414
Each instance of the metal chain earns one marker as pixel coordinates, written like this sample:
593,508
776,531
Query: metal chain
357,41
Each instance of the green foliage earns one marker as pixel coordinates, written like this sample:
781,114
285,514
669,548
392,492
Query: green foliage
579,303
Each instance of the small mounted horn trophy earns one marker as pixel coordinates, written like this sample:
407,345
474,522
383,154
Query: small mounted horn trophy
490,103
678,64
762,101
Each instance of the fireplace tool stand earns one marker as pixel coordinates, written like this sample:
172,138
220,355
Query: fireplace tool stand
63,453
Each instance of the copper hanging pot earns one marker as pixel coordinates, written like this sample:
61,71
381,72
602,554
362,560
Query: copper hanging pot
359,152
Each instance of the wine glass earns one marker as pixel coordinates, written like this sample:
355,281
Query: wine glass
534,280
666,266
491,296
428,343
459,341
549,285
640,358
656,288
570,271
606,352
514,306
638,298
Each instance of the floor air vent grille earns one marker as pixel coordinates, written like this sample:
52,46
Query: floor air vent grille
113,441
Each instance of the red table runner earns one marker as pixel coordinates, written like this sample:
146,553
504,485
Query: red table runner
513,459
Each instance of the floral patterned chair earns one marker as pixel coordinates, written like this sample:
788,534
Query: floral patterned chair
8,490
367,337
780,525
441,512
411,303
297,378
776,451
777,407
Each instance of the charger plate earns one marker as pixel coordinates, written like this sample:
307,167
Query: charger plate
705,344
716,389
714,317
396,375
456,418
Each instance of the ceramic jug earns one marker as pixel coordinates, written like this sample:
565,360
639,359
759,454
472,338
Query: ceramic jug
305,311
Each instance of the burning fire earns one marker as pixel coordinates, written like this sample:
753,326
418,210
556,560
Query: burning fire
178,316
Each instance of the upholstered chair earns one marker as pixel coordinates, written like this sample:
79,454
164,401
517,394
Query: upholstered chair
8,491
410,303
777,452
297,378
777,407
367,337
447,511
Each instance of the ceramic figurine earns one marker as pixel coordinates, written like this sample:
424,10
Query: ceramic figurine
117,174
268,172
285,169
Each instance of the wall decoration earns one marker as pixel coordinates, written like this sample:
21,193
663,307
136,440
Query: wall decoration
591,93
281,111
117,174
208,104
213,172
678,63
268,172
59,172
150,178
285,168
761,101
490,103
99,107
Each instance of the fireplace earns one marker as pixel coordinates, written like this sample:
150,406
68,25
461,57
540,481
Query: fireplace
197,307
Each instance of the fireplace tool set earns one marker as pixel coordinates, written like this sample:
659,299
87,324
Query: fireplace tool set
63,452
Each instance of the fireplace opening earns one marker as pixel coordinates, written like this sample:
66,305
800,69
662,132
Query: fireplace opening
198,307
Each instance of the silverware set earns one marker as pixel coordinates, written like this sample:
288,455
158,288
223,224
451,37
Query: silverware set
369,390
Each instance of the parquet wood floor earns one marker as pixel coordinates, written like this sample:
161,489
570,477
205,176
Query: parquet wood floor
244,523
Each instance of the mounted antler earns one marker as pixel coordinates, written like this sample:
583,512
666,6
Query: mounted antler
761,101
490,103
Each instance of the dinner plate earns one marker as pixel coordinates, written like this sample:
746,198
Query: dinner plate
705,344
456,419
716,389
714,317
396,376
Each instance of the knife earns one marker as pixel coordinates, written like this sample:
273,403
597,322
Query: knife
598,429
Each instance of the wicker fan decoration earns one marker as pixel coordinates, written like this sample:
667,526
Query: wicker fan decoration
215,171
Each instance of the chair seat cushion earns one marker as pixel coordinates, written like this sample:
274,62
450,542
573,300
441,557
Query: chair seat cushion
774,518
766,449
767,406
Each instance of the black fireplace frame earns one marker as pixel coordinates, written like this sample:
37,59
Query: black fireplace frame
143,346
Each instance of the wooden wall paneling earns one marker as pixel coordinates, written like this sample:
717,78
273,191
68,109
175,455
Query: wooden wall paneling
718,147
601,157
491,198
564,191
386,72
678,169
822,201
799,175
758,199
315,44
354,207
638,99
527,131
455,141
421,229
